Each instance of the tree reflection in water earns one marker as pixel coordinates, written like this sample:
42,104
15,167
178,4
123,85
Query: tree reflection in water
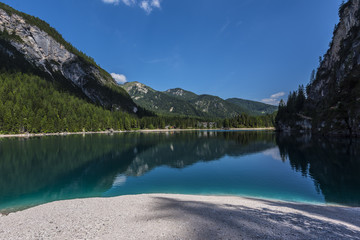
333,164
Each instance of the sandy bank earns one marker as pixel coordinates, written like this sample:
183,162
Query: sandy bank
161,216
26,135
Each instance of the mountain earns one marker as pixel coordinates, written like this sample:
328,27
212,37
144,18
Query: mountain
48,86
30,45
208,105
256,108
206,102
332,106
178,101
159,102
181,94
214,106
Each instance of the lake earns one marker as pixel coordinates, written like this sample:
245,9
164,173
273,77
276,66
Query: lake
245,163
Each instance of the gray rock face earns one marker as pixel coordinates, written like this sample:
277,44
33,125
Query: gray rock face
302,125
333,104
338,65
45,53
36,45
348,21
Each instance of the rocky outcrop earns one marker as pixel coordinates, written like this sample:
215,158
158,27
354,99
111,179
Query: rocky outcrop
58,63
333,98
35,44
334,95
343,57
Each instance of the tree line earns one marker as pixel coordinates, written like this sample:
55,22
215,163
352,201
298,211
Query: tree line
31,104
295,105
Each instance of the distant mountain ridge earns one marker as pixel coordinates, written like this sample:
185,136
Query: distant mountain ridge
258,108
158,102
181,94
48,86
30,45
181,102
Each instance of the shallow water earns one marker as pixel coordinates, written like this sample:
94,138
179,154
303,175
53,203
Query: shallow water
247,163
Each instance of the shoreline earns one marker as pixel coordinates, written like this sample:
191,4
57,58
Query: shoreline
28,135
177,216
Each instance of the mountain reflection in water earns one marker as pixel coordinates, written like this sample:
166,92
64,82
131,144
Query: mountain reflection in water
39,170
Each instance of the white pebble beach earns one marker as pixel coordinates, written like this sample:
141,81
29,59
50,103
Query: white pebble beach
168,216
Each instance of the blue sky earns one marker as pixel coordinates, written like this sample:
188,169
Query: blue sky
229,48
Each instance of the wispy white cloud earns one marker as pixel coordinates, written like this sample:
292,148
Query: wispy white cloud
225,26
155,3
274,98
116,2
129,2
147,5
278,95
175,60
119,78
157,60
111,1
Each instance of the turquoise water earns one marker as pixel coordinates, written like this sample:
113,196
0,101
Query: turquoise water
246,163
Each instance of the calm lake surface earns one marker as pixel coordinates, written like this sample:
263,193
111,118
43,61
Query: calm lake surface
246,163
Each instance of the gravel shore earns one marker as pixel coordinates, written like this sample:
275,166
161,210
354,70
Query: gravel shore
166,216
28,135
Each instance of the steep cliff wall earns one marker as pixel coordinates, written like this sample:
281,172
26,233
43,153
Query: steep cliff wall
333,98
22,39
343,56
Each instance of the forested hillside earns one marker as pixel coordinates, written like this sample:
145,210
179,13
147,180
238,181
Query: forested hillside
31,104
159,102
252,107
179,102
46,86
30,45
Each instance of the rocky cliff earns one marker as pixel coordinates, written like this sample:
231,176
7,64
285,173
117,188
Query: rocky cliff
29,44
333,97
